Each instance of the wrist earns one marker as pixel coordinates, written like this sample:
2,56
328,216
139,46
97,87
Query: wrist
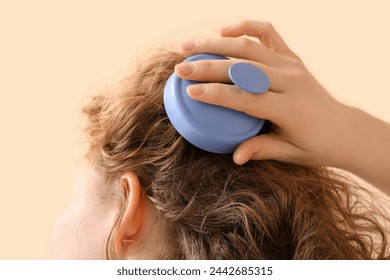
353,138
364,146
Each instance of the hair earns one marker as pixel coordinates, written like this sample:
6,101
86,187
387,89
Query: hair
213,208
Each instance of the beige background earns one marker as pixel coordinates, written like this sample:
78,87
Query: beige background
53,55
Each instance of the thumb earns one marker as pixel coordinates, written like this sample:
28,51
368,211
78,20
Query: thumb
262,147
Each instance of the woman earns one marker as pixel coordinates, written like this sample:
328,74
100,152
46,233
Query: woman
149,194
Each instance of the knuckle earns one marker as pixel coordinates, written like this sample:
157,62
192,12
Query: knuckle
214,92
206,42
296,75
224,96
292,62
248,102
268,26
243,24
300,73
295,57
245,42
206,66
296,62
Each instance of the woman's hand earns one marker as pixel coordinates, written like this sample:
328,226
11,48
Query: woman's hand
309,127
308,123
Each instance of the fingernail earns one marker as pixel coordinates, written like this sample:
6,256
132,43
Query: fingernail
195,90
185,68
226,28
187,46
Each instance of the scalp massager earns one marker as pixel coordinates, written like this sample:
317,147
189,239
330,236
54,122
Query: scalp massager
209,127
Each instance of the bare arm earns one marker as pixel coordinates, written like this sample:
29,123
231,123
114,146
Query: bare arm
365,150
310,127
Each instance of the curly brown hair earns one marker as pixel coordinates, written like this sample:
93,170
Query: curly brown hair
213,208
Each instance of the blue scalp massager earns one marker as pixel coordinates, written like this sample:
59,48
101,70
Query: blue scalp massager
209,127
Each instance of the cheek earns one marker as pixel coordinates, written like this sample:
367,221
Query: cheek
81,232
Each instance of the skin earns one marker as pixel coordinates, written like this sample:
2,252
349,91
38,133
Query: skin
310,127
82,230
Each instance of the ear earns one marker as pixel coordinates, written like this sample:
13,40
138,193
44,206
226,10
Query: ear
128,229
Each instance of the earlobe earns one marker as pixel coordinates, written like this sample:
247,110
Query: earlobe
129,226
